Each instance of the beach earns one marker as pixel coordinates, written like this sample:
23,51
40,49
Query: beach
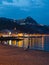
11,55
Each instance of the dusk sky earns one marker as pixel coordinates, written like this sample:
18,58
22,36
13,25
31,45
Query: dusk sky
18,9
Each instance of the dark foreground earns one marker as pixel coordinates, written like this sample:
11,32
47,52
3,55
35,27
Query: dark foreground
10,55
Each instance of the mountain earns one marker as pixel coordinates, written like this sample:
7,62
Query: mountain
27,25
29,20
6,23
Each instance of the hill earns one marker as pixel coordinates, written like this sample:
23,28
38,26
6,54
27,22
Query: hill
28,25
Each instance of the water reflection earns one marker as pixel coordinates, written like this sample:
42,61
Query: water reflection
40,43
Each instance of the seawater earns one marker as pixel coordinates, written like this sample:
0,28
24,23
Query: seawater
33,43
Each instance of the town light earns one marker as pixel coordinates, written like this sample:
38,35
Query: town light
9,33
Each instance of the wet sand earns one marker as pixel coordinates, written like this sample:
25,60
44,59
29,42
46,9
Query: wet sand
10,55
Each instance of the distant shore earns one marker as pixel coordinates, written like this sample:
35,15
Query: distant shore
10,55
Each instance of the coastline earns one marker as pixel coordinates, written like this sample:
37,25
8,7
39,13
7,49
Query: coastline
10,55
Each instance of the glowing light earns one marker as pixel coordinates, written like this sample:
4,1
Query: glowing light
10,43
9,33
14,42
20,43
20,34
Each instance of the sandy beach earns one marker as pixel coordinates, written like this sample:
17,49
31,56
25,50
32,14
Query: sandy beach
10,55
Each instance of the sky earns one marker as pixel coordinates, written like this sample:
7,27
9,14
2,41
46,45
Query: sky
19,9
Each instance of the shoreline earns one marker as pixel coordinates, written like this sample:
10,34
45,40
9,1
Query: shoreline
10,55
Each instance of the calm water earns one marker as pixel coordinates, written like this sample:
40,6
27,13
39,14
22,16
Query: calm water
33,43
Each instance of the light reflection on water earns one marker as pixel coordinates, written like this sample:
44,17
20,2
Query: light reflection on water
33,43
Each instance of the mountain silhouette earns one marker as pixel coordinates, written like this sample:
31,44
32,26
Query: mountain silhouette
27,25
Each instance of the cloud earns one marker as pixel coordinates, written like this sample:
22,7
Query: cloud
24,4
18,3
38,3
